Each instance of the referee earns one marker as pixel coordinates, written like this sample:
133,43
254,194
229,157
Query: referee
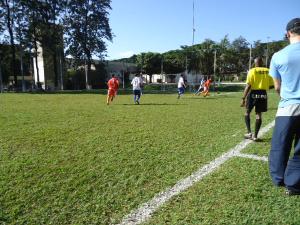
255,95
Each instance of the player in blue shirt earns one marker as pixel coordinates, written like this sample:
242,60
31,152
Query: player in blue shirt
285,70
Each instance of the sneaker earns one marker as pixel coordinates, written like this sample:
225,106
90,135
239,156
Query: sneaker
255,139
248,136
289,192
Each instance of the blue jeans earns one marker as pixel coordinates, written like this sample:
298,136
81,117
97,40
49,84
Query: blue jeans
285,170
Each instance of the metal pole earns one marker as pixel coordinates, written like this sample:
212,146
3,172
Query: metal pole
193,23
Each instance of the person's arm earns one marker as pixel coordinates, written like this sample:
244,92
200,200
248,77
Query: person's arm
245,94
274,72
277,85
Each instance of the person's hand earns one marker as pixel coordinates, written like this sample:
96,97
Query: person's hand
243,103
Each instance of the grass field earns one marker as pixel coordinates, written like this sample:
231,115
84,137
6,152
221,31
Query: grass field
70,159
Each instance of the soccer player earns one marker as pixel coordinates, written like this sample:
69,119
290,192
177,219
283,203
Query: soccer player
207,83
137,84
201,86
181,86
255,95
113,85
285,70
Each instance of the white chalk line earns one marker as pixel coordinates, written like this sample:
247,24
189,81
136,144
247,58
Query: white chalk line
145,211
249,156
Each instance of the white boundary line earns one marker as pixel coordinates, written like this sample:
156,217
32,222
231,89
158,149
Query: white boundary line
145,211
262,158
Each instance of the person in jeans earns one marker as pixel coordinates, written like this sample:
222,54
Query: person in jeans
285,70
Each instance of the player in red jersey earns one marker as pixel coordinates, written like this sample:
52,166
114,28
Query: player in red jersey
113,85
207,83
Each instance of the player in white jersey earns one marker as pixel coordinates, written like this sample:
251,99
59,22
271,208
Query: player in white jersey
181,86
137,84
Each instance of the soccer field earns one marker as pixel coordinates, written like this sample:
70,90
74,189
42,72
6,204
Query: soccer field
71,159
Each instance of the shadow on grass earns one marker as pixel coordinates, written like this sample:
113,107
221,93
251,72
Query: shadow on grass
264,140
273,108
147,104
201,98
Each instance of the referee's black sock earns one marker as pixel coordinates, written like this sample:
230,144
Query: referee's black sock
257,126
247,121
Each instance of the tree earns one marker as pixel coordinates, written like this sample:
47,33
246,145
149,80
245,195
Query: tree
8,9
21,28
241,50
150,63
87,25
2,16
174,61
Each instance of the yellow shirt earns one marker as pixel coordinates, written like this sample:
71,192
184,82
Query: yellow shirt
259,78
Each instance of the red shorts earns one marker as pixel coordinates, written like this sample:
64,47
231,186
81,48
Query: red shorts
112,92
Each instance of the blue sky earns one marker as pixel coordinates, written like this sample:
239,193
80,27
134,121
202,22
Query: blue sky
163,25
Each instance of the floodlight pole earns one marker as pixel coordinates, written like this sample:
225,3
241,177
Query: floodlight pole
193,23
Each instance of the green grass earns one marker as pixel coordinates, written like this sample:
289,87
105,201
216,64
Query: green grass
70,159
240,192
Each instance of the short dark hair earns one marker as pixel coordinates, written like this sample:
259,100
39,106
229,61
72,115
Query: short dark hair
258,61
294,26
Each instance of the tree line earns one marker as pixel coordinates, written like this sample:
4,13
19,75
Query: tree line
81,26
232,57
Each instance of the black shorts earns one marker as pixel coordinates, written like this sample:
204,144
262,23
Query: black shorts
137,92
259,99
